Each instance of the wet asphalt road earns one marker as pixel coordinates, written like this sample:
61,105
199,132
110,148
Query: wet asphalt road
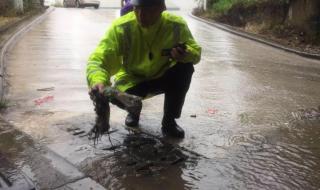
252,121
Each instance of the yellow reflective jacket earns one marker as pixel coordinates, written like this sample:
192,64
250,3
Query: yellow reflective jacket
124,51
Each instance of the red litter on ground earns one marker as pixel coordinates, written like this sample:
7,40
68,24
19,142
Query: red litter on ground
212,111
45,99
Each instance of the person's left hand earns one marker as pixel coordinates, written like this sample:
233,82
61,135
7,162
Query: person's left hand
178,53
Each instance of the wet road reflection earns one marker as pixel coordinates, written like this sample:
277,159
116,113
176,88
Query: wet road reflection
250,106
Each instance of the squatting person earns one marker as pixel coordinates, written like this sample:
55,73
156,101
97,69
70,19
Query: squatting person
148,51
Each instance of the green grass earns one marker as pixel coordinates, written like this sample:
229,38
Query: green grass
223,6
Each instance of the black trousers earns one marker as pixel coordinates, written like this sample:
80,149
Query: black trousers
174,84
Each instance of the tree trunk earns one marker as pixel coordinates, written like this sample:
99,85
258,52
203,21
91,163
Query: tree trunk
205,5
18,6
36,3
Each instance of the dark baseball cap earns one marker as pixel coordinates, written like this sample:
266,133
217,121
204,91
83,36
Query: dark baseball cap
146,3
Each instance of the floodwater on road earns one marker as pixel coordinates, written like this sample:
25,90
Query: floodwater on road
252,115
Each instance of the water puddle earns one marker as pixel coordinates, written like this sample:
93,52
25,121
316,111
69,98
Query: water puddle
138,158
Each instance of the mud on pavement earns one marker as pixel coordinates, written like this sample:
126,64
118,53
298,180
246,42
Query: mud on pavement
140,159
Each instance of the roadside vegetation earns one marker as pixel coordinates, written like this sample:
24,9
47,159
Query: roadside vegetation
3,104
266,13
269,18
11,11
224,6
13,8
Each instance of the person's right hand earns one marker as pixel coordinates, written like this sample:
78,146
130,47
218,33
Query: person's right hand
100,87
179,52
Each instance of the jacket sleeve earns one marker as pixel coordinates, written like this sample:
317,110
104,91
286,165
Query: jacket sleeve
193,49
105,61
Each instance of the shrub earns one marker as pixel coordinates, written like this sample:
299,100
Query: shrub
6,6
223,6
3,104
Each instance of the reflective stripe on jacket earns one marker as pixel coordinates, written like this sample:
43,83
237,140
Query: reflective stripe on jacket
124,51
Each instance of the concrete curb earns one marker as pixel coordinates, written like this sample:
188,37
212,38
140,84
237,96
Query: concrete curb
254,37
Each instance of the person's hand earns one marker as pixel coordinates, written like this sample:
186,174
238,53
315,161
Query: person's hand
179,52
100,87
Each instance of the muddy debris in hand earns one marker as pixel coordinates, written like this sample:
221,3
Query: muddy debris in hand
102,109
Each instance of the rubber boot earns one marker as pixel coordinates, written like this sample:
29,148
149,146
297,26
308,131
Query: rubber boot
171,128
